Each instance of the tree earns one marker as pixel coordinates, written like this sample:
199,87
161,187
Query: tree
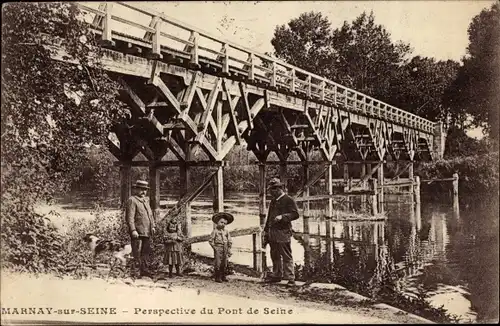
359,55
475,90
305,43
365,58
459,144
419,86
50,112
362,56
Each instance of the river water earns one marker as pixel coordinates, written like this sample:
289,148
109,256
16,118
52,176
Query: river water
451,256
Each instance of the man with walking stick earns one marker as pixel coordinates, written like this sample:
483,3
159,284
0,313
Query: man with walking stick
278,232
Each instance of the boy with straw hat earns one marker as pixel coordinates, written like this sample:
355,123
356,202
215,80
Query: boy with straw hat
220,240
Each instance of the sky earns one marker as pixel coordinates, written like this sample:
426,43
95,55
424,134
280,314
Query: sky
433,28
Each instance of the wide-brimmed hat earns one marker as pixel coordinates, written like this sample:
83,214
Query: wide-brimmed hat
274,183
228,217
141,184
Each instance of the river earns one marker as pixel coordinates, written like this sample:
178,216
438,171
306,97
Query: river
452,257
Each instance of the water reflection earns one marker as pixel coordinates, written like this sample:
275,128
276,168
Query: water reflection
425,246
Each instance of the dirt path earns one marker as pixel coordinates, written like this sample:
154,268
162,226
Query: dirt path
182,300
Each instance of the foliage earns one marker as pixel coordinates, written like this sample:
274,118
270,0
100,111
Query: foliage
365,57
29,242
475,89
305,42
97,174
418,87
361,55
458,143
76,258
478,174
50,112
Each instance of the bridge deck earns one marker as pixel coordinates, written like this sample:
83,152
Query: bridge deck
167,36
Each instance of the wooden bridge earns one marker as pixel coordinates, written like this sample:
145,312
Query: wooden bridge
195,95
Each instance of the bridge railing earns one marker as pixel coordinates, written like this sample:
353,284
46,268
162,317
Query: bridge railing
169,35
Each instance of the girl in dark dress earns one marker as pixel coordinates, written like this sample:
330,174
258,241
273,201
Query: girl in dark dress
173,248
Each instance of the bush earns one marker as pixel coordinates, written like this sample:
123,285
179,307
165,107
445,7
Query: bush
76,257
50,112
478,174
29,241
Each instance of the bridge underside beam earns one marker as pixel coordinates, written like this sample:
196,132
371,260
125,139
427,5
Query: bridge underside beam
303,121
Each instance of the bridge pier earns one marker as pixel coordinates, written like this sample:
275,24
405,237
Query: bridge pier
185,185
456,207
154,191
416,190
364,185
374,199
306,204
218,189
347,184
380,182
329,208
262,207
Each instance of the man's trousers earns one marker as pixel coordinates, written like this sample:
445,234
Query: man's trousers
281,255
141,249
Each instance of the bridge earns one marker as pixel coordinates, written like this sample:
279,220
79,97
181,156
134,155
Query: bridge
196,96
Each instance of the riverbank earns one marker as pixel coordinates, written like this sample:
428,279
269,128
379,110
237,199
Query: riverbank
133,298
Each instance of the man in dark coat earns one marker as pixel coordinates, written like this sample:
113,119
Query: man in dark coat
278,232
141,225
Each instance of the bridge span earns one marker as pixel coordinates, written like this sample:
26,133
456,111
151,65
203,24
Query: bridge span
197,96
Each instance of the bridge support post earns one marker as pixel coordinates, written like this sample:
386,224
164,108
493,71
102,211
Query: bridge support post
329,207
373,186
347,184
125,183
218,186
411,177
305,204
439,142
416,189
283,175
456,207
185,180
380,181
362,175
418,216
257,251
329,252
262,207
154,195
